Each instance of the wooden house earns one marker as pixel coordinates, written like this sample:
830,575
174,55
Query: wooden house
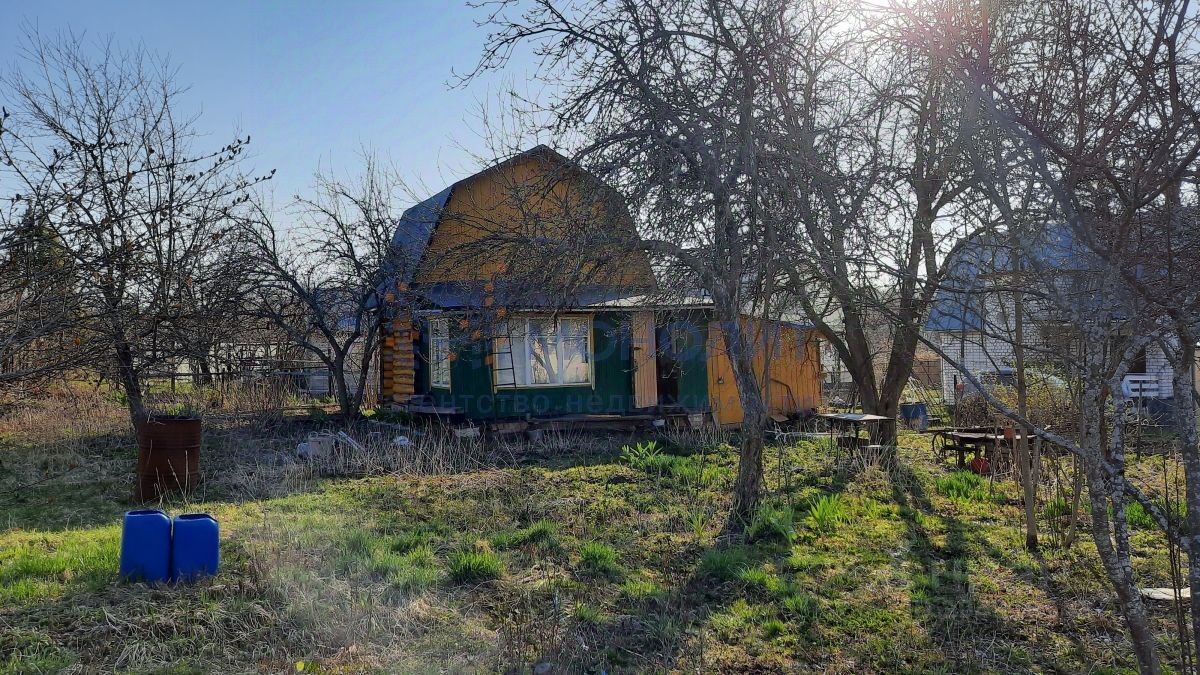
517,296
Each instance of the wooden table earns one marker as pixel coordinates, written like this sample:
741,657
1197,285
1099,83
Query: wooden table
844,428
987,444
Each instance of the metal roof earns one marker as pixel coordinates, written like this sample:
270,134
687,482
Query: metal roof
959,300
413,232
471,295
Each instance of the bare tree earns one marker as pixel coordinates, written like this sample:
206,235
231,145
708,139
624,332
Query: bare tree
38,303
870,164
1098,103
664,102
322,287
96,147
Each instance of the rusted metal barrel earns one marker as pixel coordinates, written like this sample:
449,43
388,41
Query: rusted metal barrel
168,456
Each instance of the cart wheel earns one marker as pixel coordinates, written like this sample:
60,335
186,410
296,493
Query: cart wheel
937,445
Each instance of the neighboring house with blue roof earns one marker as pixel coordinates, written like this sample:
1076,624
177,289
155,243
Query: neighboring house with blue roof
972,319
519,292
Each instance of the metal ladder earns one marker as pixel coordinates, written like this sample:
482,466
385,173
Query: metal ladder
511,368
932,400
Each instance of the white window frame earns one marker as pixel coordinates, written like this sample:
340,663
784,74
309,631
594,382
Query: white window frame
439,362
526,358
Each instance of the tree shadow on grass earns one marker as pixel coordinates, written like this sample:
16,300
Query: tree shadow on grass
970,636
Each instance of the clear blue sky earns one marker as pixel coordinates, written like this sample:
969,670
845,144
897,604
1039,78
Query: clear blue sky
311,81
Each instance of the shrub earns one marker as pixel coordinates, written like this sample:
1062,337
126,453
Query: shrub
598,558
1048,396
772,522
473,565
827,512
724,564
964,486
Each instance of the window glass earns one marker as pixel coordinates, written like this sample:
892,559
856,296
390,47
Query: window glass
573,346
543,358
575,361
542,351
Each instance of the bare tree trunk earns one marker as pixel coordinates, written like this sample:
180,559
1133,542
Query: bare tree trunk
205,375
1076,496
1026,464
130,383
1033,478
747,486
1105,488
1185,420
345,397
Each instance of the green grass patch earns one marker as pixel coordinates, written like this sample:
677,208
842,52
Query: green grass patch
599,559
762,581
890,575
1056,508
39,569
415,538
964,486
802,608
827,512
772,522
588,614
474,566
542,534
640,590
725,564
773,628
692,470
412,571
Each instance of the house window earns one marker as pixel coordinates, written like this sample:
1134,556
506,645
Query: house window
543,352
439,352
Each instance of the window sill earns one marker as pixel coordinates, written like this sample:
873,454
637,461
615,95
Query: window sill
544,386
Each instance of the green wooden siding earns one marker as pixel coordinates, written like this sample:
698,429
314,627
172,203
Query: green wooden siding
611,393
612,390
693,363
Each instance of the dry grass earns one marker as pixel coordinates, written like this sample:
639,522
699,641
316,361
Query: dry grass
346,562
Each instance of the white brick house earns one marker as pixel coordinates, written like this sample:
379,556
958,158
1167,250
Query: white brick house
987,356
972,319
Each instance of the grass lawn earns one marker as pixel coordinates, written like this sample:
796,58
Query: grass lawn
577,556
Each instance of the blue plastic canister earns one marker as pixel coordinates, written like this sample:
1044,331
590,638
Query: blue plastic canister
916,415
146,546
196,546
